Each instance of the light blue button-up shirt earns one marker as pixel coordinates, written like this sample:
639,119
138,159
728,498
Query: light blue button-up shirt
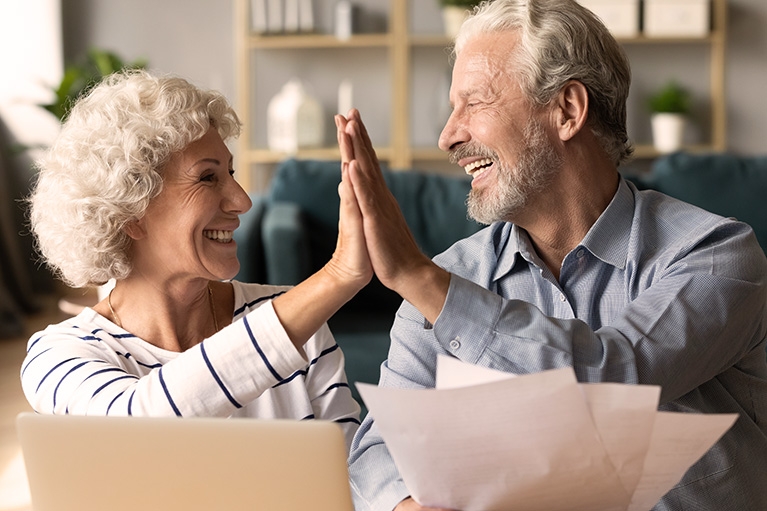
658,292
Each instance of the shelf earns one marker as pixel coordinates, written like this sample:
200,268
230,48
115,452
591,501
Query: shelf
713,37
440,40
648,151
430,40
263,155
318,41
398,44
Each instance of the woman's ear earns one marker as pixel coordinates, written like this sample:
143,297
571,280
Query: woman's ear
572,109
135,229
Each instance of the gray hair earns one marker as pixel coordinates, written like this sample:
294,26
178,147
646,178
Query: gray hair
562,41
106,166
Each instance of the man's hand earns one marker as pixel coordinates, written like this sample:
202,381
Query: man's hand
411,505
397,261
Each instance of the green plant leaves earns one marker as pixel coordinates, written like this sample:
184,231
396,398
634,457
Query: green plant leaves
81,76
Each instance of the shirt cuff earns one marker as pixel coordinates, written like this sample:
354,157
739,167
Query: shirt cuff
466,324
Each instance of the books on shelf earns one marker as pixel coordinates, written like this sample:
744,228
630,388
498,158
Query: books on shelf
281,16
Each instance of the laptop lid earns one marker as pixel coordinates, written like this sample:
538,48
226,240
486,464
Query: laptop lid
84,463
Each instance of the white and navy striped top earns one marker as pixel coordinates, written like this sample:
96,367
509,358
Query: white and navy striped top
89,365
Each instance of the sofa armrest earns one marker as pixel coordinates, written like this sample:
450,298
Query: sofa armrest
286,244
250,250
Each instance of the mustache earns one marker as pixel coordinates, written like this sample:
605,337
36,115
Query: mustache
471,149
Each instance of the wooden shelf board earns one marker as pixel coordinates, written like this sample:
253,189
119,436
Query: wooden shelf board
643,151
263,155
311,41
643,39
430,40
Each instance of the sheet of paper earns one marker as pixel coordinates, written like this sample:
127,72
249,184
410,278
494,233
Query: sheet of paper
678,441
486,440
501,445
623,414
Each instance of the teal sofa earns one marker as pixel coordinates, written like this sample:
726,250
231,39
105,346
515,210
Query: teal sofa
725,184
291,233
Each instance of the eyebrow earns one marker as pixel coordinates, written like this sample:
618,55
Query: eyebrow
208,160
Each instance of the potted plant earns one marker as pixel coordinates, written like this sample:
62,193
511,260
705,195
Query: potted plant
454,13
669,108
81,76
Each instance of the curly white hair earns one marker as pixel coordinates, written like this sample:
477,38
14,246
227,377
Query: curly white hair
106,166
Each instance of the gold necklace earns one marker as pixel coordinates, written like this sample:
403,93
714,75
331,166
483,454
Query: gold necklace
210,302
212,308
114,314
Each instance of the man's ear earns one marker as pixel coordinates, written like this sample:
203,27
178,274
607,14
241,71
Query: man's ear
135,229
572,109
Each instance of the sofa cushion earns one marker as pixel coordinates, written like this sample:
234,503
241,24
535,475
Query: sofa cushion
725,184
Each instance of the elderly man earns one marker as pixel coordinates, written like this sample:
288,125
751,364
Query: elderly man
577,268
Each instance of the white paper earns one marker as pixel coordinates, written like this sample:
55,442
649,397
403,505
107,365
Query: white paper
538,442
458,448
678,441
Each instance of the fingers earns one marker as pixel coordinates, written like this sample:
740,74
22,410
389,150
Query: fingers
344,141
365,156
349,204
355,115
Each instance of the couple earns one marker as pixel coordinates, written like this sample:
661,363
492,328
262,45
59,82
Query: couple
576,269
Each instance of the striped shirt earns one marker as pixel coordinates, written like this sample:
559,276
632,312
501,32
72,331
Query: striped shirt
89,365
658,292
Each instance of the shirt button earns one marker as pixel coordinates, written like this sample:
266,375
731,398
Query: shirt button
455,343
579,253
562,297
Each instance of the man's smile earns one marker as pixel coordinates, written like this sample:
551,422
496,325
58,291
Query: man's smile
477,167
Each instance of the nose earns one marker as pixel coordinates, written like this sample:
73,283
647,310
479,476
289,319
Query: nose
236,199
454,133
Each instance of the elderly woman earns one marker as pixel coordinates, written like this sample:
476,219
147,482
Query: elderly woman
139,188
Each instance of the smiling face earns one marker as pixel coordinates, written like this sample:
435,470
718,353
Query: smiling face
494,133
187,229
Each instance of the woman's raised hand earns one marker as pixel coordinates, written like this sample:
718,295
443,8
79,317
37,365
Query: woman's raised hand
350,262
394,254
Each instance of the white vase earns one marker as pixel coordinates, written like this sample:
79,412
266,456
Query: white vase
294,120
453,17
668,131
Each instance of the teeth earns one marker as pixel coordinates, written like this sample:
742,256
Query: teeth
471,168
220,236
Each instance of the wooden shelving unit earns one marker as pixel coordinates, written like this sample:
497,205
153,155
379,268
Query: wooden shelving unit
398,44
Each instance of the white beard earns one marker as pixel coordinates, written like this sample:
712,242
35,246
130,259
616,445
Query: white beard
536,167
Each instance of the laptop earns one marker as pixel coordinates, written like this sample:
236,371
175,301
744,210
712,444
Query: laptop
84,463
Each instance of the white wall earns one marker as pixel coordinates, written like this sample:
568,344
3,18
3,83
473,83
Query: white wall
31,58
747,76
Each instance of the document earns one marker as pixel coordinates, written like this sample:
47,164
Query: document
485,440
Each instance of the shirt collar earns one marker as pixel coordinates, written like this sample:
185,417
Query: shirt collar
607,239
514,244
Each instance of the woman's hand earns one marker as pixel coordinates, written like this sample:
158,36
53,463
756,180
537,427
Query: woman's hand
394,254
350,262
303,309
